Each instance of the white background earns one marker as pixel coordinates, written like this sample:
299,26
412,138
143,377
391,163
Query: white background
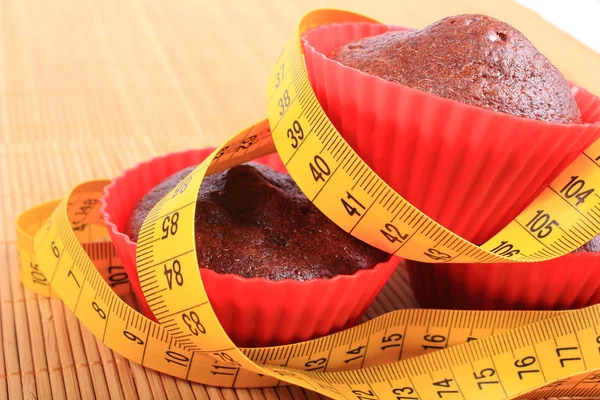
579,18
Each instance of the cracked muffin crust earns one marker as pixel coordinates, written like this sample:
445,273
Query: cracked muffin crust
473,59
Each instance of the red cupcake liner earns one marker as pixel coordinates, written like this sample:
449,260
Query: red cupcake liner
470,169
568,282
256,311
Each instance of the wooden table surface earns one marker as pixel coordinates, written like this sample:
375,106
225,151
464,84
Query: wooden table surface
88,88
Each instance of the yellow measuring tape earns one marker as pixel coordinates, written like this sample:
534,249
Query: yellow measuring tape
408,354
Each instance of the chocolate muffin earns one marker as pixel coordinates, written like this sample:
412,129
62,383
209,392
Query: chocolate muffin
253,221
593,246
474,59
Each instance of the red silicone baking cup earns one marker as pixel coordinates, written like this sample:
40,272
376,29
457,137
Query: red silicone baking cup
568,282
257,311
470,169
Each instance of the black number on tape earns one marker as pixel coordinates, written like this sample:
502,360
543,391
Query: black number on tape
437,255
592,378
554,385
192,320
444,383
314,365
392,341
226,370
435,339
400,392
356,351
246,143
70,273
36,275
279,76
284,102
483,374
542,224
182,186
116,278
286,373
55,250
176,358
352,209
88,205
227,358
83,210
364,394
505,249
575,189
524,363
174,270
392,233
569,350
221,152
79,228
296,133
319,168
100,311
132,337
169,225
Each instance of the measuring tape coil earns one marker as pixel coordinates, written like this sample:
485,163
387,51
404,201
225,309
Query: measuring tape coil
469,355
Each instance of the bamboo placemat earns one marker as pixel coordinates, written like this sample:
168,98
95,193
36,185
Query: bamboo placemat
89,88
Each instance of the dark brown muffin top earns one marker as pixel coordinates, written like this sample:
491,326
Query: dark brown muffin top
253,221
474,59
593,246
